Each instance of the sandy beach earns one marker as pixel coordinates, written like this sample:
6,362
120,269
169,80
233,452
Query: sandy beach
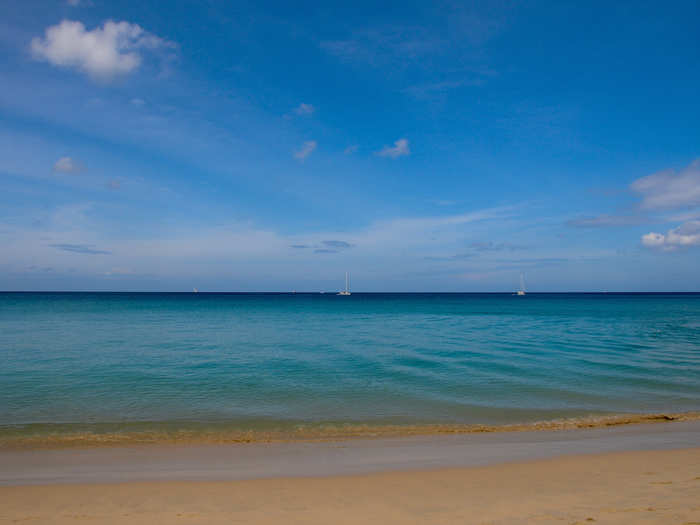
618,488
633,474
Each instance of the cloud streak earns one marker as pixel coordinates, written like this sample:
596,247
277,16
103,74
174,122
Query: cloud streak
491,246
185,253
668,190
306,149
399,149
606,221
338,244
87,249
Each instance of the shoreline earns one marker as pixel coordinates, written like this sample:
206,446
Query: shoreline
228,462
19,438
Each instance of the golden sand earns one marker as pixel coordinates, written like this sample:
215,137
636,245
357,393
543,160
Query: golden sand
320,432
656,487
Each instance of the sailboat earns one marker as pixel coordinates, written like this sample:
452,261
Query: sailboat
347,289
522,285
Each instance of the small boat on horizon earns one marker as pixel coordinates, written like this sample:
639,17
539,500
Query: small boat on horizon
522,285
347,287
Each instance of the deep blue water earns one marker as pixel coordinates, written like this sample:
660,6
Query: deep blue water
374,358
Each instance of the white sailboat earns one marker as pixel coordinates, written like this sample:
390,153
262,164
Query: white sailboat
522,285
347,288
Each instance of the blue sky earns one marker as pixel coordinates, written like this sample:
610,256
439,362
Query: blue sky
429,146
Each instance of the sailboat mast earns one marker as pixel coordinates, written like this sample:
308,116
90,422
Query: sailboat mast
346,281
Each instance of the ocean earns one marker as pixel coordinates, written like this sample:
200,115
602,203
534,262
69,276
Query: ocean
111,366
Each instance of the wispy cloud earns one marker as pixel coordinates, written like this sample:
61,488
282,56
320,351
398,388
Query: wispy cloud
490,246
119,271
456,257
381,46
538,261
399,149
88,249
351,149
67,165
605,221
338,244
304,109
668,189
431,89
185,252
462,27
306,149
103,53
428,223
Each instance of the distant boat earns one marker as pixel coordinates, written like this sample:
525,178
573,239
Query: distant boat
522,285
347,288
194,290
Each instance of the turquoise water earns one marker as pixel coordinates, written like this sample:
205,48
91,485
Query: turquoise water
370,358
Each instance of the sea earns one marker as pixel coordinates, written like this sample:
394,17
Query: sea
111,367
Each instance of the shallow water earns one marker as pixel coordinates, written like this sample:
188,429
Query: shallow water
266,361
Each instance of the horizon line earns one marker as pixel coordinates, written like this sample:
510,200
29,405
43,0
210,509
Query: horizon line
334,292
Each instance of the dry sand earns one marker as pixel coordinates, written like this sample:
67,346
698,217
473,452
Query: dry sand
661,486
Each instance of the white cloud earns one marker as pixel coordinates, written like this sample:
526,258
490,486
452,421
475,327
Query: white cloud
307,148
67,165
685,235
399,149
653,240
668,189
304,109
104,52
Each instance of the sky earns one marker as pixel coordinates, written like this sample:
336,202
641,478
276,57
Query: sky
421,146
